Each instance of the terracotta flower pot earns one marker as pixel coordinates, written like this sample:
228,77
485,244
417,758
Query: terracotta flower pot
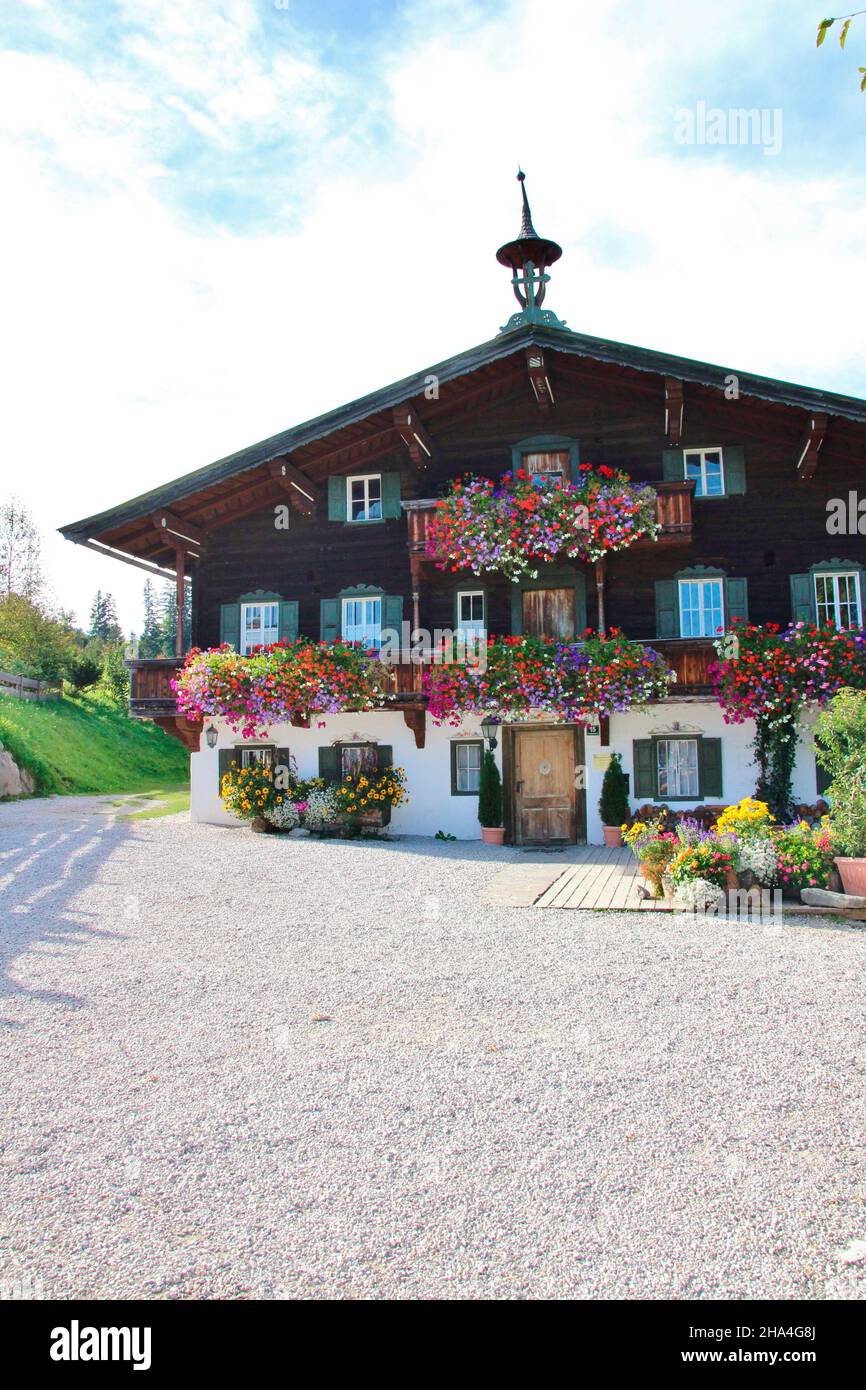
260,826
612,836
853,872
493,834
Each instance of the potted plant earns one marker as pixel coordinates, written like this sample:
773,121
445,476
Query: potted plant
841,749
613,802
490,802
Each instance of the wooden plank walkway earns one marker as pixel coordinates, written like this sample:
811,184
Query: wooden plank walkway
594,878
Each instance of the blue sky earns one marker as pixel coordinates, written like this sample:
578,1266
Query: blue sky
223,218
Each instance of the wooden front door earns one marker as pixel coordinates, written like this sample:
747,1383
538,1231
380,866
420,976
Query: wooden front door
548,612
547,804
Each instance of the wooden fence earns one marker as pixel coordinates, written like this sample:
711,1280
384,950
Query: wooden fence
23,688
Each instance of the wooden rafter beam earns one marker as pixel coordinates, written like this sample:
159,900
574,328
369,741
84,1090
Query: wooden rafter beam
539,379
807,459
302,492
176,529
410,427
674,406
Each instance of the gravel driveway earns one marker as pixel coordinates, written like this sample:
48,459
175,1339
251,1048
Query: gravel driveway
248,1066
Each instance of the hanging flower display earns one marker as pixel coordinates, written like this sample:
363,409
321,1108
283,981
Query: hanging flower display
275,683
765,672
512,525
569,681
771,675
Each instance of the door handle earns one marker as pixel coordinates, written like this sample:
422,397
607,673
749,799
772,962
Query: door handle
518,786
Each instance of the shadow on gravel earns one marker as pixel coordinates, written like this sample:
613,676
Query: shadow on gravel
42,873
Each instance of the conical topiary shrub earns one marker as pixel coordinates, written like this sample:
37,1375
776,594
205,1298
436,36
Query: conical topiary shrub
490,801
613,802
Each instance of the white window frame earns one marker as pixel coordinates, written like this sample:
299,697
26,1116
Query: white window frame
473,628
677,766
702,584
363,757
366,626
463,745
255,753
366,479
701,488
833,576
246,645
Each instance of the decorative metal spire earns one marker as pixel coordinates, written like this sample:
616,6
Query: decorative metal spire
528,257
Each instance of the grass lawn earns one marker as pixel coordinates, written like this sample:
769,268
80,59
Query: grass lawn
163,801
89,744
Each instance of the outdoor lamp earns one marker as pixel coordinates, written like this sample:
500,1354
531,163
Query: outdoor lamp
211,734
490,728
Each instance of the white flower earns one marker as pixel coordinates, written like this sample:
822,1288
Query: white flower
758,853
321,806
284,816
700,894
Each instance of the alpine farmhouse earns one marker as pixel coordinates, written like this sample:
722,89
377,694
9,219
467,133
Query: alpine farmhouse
743,468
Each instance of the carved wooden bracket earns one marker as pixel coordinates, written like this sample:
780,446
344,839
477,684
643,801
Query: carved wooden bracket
410,427
175,532
807,460
416,720
181,728
538,379
302,493
604,730
674,407
300,721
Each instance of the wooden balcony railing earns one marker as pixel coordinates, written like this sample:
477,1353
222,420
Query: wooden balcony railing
151,695
673,512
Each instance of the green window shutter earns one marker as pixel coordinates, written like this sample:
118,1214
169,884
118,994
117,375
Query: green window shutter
226,758
392,612
710,755
391,508
289,620
330,763
673,468
329,617
384,756
822,779
282,758
735,469
736,600
643,753
667,608
230,624
802,599
337,498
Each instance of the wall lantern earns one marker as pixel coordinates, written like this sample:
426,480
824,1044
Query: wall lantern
490,728
211,734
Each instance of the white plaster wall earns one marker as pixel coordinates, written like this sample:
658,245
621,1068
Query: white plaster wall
430,807
738,769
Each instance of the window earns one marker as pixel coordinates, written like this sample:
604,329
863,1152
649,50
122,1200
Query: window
702,607
677,768
260,624
466,766
471,619
837,600
250,756
364,497
550,464
358,757
362,621
707,468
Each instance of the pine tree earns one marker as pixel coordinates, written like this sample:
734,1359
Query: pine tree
168,620
96,627
150,643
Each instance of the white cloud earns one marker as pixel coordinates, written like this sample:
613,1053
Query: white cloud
143,337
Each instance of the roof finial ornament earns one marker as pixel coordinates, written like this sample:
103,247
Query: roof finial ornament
529,255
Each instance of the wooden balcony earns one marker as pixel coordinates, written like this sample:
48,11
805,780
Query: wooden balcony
673,512
151,695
